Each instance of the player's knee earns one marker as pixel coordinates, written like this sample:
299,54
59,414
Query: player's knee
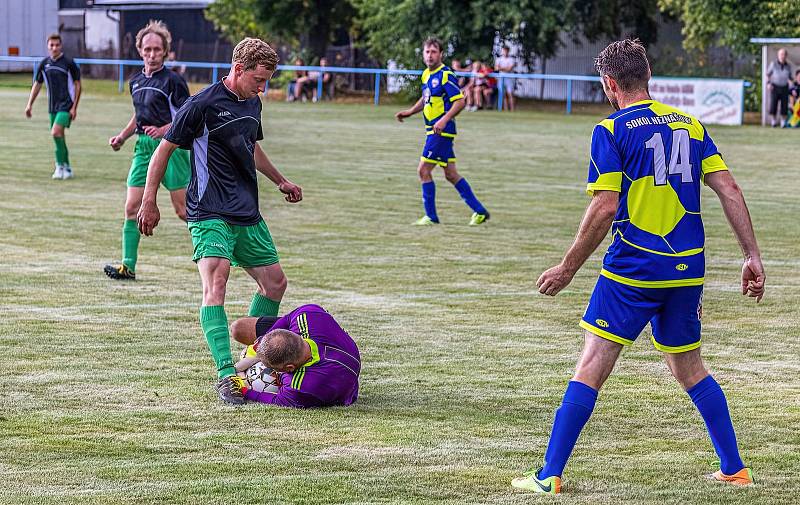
132,209
214,290
240,332
279,284
452,176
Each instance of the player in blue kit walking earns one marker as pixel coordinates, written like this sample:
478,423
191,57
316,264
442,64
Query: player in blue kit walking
440,103
645,172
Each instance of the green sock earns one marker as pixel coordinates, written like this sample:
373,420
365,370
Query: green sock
263,306
62,153
130,244
215,326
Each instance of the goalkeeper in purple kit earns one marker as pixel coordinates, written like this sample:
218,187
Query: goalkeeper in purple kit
317,362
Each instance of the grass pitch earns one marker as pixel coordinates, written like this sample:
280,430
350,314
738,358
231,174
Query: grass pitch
107,393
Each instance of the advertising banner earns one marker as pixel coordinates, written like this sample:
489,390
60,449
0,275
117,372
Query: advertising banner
712,101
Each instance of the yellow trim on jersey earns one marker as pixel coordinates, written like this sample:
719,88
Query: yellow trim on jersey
696,130
676,349
610,181
297,378
446,75
603,333
688,252
443,134
434,108
456,97
608,124
314,352
426,74
675,283
435,162
713,163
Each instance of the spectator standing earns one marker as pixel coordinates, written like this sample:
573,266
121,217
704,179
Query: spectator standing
779,76
507,64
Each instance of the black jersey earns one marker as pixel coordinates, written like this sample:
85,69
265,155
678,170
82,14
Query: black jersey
157,98
59,76
221,130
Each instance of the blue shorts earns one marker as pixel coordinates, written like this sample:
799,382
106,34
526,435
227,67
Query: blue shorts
619,312
438,150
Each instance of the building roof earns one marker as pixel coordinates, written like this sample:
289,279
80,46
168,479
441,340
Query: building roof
151,4
774,41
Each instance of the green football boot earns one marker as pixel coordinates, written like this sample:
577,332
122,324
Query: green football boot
478,219
530,482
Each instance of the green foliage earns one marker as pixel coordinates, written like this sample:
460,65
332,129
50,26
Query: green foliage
394,30
731,23
236,19
310,23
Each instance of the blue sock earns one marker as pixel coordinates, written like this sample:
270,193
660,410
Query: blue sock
469,197
576,408
429,200
710,401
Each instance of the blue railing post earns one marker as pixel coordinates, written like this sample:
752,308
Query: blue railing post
569,96
377,88
500,93
319,87
121,77
214,73
35,69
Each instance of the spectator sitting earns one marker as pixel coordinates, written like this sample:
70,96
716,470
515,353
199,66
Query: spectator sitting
313,78
293,90
483,87
506,63
464,83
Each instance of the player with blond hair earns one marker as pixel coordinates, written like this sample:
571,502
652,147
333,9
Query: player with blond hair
157,93
221,125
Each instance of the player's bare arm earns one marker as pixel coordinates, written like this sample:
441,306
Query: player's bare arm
416,108
117,141
732,200
35,89
441,124
293,192
149,216
73,112
593,229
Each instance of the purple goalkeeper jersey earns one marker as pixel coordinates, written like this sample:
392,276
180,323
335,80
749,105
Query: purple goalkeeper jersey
330,377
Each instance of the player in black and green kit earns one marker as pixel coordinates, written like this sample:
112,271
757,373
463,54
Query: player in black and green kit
157,93
63,78
222,126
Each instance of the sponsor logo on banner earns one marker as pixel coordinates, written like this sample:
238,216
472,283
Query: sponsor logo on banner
712,101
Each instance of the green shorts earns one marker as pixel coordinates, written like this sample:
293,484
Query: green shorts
179,169
243,246
61,118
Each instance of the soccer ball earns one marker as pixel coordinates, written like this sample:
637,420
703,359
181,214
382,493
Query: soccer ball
259,377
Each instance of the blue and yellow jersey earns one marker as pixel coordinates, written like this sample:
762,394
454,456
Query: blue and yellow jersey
439,90
655,156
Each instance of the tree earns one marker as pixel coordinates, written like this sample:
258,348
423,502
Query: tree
731,23
394,29
311,23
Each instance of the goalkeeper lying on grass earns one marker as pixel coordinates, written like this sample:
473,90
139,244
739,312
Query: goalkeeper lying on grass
316,362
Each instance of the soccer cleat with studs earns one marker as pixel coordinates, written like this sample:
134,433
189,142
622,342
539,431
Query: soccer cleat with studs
230,390
58,173
119,272
743,477
425,221
478,219
531,482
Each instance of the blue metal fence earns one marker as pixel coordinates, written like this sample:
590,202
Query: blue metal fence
378,72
